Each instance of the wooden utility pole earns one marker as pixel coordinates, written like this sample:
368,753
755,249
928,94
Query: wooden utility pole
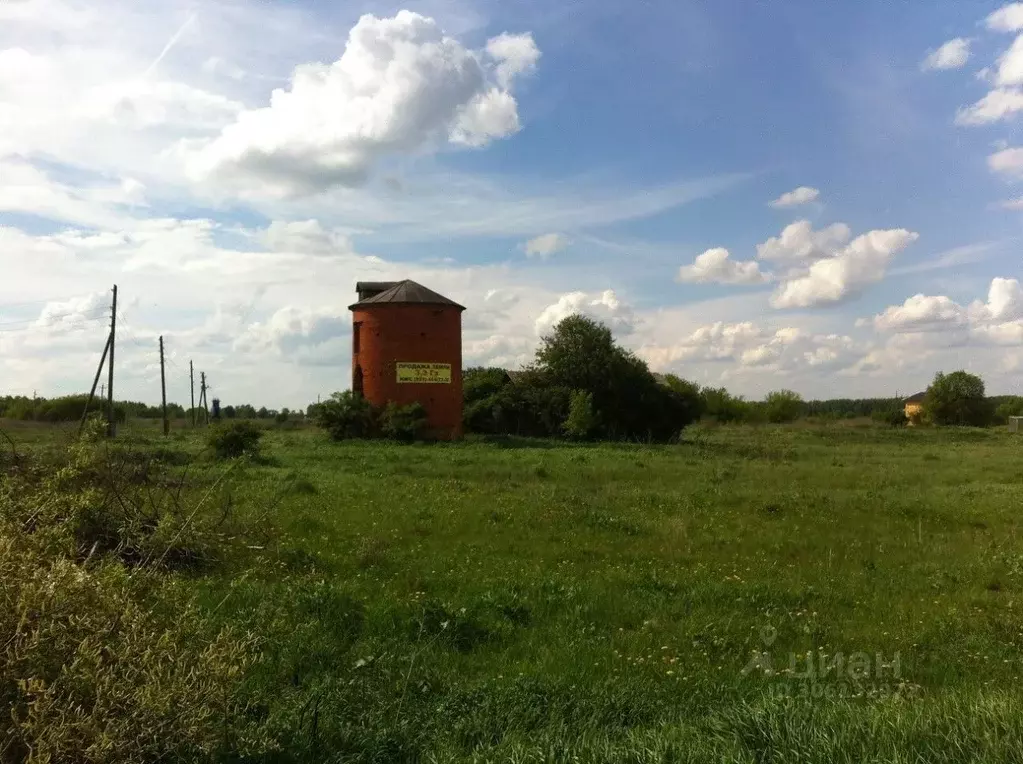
191,382
202,397
163,390
111,427
95,380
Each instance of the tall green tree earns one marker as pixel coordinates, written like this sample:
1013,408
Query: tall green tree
581,354
783,406
958,399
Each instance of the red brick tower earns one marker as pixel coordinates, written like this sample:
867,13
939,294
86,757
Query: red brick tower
407,347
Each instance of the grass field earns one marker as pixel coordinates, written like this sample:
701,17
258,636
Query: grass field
776,594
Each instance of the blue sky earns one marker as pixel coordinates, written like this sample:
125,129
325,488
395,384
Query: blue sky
236,166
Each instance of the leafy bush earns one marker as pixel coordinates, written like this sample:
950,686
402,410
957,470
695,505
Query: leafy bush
688,394
783,406
893,416
403,423
1009,408
346,415
480,382
482,415
230,441
581,421
958,399
721,406
531,407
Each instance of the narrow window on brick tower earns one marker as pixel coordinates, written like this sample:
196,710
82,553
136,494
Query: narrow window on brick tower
357,380
356,331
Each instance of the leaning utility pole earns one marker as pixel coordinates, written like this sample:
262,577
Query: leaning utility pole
163,391
95,381
111,427
191,382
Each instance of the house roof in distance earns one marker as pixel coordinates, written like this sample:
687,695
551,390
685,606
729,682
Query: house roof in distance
405,292
916,398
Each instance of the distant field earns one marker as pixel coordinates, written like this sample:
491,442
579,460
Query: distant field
529,601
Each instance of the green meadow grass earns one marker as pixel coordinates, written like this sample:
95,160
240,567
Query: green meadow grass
545,602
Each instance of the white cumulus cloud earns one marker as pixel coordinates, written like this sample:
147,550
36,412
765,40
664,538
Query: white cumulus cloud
1007,162
715,267
74,313
604,307
997,321
546,245
801,195
515,54
1008,18
921,313
1006,98
996,105
1010,65
1005,300
401,86
799,243
833,279
1009,333
952,55
291,326
756,348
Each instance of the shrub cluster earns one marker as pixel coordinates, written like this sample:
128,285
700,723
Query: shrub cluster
1006,407
581,385
893,416
234,439
346,416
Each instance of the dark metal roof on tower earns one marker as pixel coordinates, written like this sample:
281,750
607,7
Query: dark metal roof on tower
369,288
405,292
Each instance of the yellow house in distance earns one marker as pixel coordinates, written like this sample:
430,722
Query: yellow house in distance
915,407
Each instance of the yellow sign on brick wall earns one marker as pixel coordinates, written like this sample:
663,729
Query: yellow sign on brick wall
424,373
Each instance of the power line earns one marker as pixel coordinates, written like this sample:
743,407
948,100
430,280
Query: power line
78,296
132,337
49,319
80,323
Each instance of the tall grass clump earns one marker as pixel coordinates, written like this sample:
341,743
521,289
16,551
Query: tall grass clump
100,659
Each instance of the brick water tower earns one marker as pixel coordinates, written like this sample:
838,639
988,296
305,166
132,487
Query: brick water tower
407,347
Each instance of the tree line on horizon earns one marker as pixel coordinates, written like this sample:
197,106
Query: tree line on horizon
69,408
581,385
